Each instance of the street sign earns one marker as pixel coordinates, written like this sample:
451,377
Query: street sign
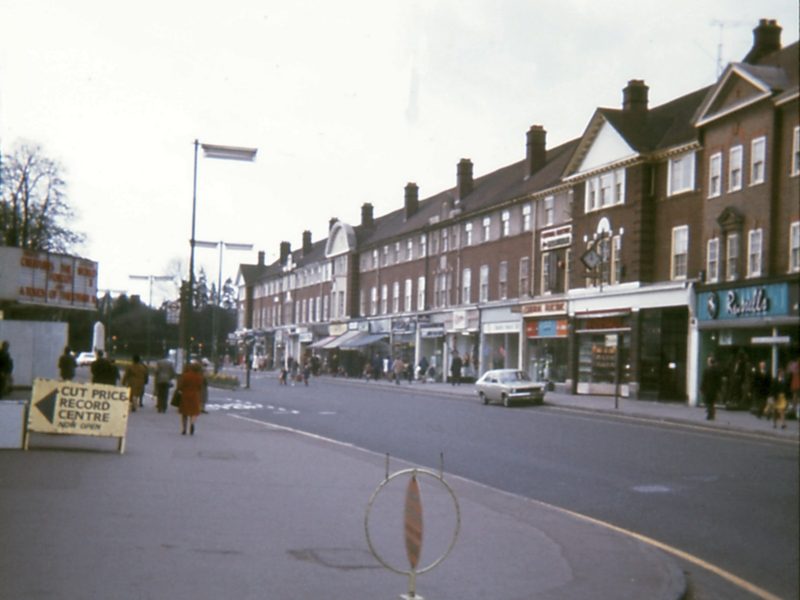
70,408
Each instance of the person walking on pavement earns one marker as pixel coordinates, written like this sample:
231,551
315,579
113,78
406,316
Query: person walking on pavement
306,372
6,367
135,377
780,392
762,381
455,369
423,369
67,365
190,385
103,370
709,386
399,368
165,373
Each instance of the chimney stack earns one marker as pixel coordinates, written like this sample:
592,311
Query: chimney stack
286,250
412,199
260,258
634,97
766,40
464,178
536,153
366,214
306,242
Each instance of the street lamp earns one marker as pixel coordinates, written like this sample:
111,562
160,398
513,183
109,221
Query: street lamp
151,279
215,320
210,151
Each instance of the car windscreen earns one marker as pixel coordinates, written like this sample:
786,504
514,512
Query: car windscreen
513,377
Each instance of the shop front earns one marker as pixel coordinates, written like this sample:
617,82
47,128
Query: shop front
547,340
404,339
463,336
500,334
603,341
432,348
747,323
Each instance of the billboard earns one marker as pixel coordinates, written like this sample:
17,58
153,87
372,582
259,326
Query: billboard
58,280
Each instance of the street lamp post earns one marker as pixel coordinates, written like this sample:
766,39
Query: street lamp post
218,301
151,279
210,151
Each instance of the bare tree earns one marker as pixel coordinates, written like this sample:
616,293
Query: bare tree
34,210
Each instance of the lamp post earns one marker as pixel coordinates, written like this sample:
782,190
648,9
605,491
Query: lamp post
151,279
210,151
218,302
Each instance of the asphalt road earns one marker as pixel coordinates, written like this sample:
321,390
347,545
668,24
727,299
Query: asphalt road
730,500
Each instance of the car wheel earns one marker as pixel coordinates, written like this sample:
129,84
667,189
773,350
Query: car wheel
506,403
483,398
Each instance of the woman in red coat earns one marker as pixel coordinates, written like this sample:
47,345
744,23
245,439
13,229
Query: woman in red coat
191,384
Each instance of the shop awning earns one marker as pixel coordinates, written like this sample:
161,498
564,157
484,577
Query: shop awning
365,339
321,343
338,341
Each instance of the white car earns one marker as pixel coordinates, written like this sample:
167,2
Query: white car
85,358
509,385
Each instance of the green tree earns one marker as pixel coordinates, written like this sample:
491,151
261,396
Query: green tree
34,209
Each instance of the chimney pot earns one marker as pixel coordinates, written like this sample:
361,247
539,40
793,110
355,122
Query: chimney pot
766,40
306,242
536,149
286,251
464,179
261,258
366,215
411,199
634,97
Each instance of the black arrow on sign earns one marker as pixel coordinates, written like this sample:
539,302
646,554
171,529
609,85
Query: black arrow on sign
47,406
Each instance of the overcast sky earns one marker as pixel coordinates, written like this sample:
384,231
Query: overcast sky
346,101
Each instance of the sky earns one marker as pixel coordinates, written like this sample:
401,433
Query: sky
345,101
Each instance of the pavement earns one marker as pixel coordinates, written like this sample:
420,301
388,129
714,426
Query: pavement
244,510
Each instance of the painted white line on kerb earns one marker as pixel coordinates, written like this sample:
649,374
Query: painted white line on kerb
718,571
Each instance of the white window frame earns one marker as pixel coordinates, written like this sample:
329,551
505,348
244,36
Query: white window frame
409,295
735,168
423,245
616,259
732,246
548,206
758,160
606,189
794,247
487,229
384,298
712,260
502,280
421,293
466,286
755,243
483,290
396,297
680,177
468,234
445,240
373,309
526,217
679,252
794,167
544,274
715,175
505,223
524,276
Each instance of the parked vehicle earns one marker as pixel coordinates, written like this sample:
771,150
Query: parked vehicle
509,385
85,358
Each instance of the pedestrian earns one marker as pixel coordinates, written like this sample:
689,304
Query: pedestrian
293,366
6,368
423,368
136,376
306,372
455,369
762,382
165,373
709,386
103,370
399,368
67,365
190,385
793,373
780,391
283,375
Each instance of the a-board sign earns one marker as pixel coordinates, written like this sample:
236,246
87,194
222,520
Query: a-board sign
71,408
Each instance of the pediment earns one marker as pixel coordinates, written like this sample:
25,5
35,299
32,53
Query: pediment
730,219
601,145
738,87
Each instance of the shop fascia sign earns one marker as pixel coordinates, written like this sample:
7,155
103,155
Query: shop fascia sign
556,307
744,302
431,331
507,327
560,237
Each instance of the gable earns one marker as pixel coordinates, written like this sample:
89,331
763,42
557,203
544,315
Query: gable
341,239
738,87
607,147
